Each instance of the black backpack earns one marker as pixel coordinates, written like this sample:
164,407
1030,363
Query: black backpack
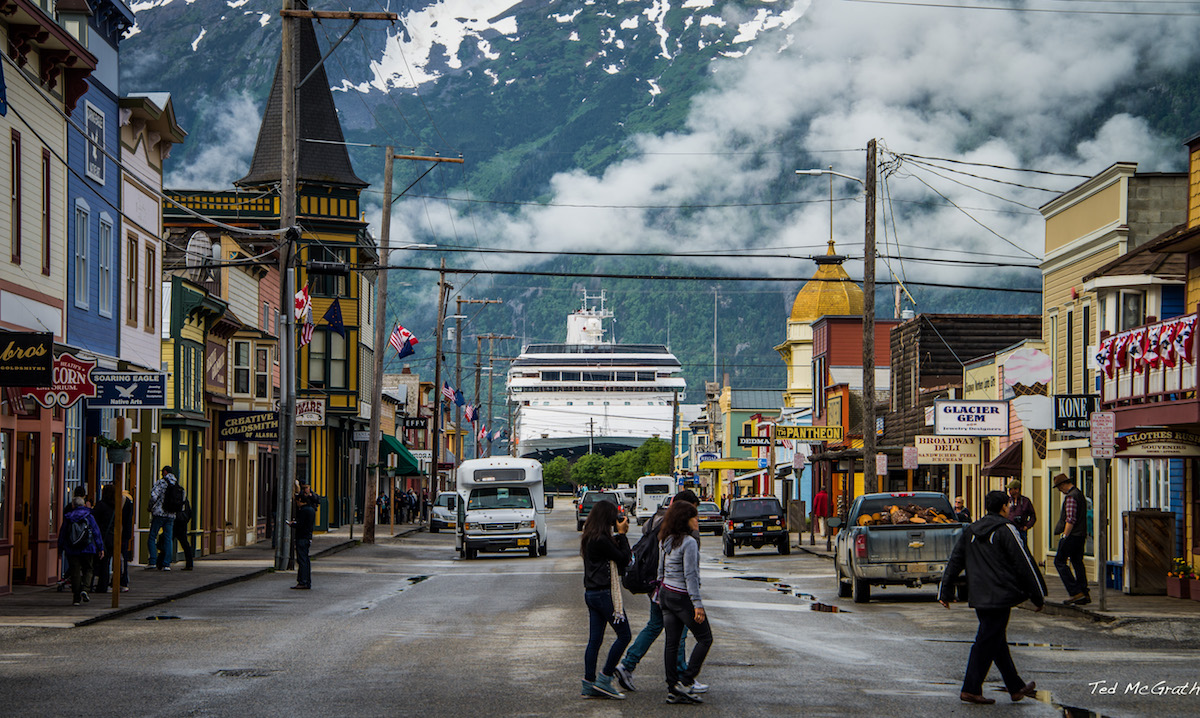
642,574
79,535
173,499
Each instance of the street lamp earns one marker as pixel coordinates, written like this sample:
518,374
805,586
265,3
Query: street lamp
870,479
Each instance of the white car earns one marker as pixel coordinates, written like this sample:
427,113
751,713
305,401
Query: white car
445,512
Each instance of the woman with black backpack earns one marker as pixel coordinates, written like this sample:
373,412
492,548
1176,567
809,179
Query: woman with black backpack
606,553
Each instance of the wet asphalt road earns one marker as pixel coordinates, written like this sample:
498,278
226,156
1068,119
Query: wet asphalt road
405,628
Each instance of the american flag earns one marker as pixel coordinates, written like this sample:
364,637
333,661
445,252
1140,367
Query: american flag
469,413
447,391
403,341
306,333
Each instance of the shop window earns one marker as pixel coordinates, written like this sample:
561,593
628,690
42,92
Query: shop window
241,367
262,373
131,279
104,261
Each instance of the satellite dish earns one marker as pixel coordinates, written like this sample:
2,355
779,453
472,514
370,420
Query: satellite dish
199,249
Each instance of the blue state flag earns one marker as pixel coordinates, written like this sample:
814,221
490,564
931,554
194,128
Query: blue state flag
333,317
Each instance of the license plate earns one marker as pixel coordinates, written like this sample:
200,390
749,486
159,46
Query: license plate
756,524
453,525
918,567
522,542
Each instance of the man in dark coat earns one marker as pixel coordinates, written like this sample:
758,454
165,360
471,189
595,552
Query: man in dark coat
306,518
105,515
1072,531
1020,510
1000,574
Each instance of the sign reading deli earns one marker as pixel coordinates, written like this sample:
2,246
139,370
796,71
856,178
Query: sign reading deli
808,434
26,359
947,449
248,426
1158,443
971,418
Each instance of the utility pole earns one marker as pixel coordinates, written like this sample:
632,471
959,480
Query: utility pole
443,293
870,478
491,377
458,359
478,371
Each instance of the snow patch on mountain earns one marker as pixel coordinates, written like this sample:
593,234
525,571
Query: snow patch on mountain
196,42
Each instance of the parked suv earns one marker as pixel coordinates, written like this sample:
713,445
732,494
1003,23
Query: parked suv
755,522
589,500
444,513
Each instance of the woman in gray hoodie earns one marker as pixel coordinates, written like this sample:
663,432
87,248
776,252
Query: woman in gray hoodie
679,598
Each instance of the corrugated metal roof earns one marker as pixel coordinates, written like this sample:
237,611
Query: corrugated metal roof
770,399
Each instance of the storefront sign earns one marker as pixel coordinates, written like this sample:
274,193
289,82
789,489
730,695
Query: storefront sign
71,379
120,389
26,359
248,426
911,460
362,436
753,441
808,434
416,423
881,465
947,449
421,454
1158,443
971,418
310,412
1073,412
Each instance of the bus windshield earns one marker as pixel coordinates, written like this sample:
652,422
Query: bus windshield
500,497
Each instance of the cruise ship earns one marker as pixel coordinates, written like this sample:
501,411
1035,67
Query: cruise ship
589,395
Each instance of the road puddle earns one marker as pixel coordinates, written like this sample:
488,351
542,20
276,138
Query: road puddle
162,617
760,579
825,608
414,580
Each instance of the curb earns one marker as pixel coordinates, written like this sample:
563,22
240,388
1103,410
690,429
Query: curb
812,552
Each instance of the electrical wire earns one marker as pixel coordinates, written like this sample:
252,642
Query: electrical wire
1005,167
1027,9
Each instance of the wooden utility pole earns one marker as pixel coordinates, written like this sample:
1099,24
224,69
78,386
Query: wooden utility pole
118,557
458,360
870,479
443,293
491,378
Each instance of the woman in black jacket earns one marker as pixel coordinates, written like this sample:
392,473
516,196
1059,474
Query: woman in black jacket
606,553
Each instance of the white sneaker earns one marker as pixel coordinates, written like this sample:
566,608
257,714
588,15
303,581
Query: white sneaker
625,678
698,687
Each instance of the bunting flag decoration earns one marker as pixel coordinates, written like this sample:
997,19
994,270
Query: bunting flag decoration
1118,350
333,317
1166,345
1150,347
403,341
447,392
1136,347
303,303
1184,346
306,333
1104,357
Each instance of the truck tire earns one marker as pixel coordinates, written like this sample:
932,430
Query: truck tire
861,591
471,553
433,527
578,525
844,588
728,548
543,549
785,547
533,549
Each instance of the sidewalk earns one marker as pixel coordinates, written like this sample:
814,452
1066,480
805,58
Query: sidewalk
42,606
1121,609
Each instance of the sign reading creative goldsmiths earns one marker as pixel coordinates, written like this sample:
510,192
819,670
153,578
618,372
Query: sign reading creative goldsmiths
248,426
1158,443
310,412
71,381
947,449
26,359
971,418
121,389
1073,412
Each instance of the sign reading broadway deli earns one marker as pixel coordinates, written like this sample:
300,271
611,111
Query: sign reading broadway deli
71,381
248,426
947,449
1162,443
971,418
26,359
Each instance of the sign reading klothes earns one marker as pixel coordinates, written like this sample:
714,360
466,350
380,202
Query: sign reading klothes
808,434
248,426
26,359
971,418
1158,443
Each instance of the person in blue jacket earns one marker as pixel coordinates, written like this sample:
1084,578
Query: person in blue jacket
82,549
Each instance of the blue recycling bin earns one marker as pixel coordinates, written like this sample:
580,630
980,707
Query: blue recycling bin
1114,577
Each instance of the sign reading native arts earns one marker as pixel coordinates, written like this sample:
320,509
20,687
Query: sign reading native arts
26,359
971,418
71,381
947,449
310,412
257,426
121,389
1158,443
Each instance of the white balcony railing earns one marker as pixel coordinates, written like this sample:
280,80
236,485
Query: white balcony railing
1151,363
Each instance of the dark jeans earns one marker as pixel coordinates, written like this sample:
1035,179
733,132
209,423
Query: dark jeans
79,568
678,611
1073,577
104,570
645,639
303,563
180,537
991,646
600,614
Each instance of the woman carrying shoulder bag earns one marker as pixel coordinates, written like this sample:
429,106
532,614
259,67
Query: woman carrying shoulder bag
606,553
679,598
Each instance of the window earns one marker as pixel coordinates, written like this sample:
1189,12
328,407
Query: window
241,367
15,187
266,317
94,121
198,379
262,373
46,209
104,265
82,218
327,285
316,359
327,362
1085,356
338,363
185,377
1132,310
151,283
1070,352
131,280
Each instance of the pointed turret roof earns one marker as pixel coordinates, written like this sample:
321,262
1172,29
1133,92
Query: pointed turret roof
316,119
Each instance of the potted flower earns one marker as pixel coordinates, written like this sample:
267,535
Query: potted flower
119,452
1180,578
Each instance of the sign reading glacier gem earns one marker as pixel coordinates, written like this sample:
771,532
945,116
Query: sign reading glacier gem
971,418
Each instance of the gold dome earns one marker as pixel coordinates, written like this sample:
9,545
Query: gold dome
830,291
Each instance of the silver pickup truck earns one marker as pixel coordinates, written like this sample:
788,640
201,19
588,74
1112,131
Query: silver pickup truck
870,551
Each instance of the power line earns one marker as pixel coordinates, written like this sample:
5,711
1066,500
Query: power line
1028,9
1004,167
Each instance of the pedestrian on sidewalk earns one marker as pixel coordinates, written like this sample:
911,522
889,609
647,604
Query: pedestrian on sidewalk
821,511
1072,531
105,515
605,551
306,518
180,528
82,543
161,521
1020,510
1000,574
654,626
679,597
961,513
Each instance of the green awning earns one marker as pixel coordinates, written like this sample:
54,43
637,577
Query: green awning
406,464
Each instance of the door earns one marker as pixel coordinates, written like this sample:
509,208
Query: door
26,494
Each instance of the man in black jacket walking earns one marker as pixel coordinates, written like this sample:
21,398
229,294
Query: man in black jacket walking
1000,574
306,518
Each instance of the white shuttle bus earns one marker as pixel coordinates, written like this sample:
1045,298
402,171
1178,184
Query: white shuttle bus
501,505
651,492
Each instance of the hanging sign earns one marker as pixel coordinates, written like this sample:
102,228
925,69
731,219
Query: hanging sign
808,434
72,381
416,422
120,389
1158,443
248,426
1073,412
947,449
26,359
971,418
310,412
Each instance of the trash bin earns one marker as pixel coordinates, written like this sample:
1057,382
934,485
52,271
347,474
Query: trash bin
1115,576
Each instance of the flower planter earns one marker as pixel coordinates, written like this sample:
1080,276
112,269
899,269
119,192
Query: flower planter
1178,587
1194,589
118,455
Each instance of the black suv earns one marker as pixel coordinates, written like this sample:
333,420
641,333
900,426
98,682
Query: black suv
755,522
589,500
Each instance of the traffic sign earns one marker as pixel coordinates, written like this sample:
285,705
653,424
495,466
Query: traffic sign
1103,436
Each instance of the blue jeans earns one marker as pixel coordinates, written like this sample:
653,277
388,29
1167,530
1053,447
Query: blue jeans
303,563
645,639
167,525
600,614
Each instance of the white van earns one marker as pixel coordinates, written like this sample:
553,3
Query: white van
651,491
501,505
